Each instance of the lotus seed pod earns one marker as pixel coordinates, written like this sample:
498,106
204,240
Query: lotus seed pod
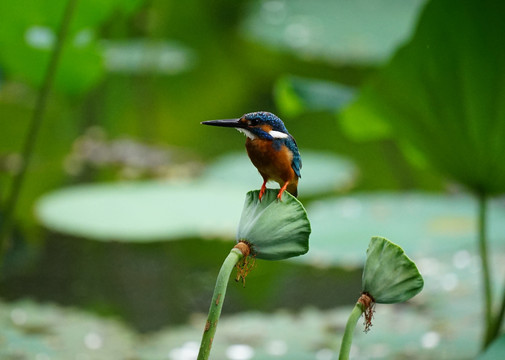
274,229
389,275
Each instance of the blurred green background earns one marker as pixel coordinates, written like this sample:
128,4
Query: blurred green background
129,205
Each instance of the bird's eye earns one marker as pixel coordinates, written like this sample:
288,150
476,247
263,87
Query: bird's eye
253,122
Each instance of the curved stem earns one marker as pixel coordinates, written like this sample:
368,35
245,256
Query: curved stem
486,276
34,127
497,322
217,302
345,348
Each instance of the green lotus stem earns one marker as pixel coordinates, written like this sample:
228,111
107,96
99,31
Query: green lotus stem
499,318
33,130
217,301
486,276
497,321
345,348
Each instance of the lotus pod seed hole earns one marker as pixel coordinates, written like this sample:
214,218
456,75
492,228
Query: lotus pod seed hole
368,303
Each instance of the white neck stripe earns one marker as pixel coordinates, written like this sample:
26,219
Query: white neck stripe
277,134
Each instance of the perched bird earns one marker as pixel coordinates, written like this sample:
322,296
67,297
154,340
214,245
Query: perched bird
270,147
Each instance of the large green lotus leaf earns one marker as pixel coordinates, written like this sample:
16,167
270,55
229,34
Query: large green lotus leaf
275,229
389,276
295,95
28,35
441,93
322,172
44,331
336,31
144,211
496,350
425,223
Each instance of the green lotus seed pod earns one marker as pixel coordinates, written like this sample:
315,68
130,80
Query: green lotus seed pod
389,275
274,229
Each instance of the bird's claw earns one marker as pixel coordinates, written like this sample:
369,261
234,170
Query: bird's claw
262,191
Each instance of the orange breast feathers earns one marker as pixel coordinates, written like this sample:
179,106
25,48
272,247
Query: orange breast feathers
273,164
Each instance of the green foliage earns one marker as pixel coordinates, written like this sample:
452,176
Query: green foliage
29,32
226,75
440,93
389,275
28,37
274,229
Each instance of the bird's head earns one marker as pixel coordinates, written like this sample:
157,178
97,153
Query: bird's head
259,124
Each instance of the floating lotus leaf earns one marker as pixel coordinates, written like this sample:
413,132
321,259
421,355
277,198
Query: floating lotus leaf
428,224
275,229
389,275
142,211
322,172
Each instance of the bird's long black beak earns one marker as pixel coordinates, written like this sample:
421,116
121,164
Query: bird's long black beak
234,123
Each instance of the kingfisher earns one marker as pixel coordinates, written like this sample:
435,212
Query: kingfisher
270,147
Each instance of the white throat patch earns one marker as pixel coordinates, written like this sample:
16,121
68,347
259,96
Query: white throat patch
247,133
277,134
